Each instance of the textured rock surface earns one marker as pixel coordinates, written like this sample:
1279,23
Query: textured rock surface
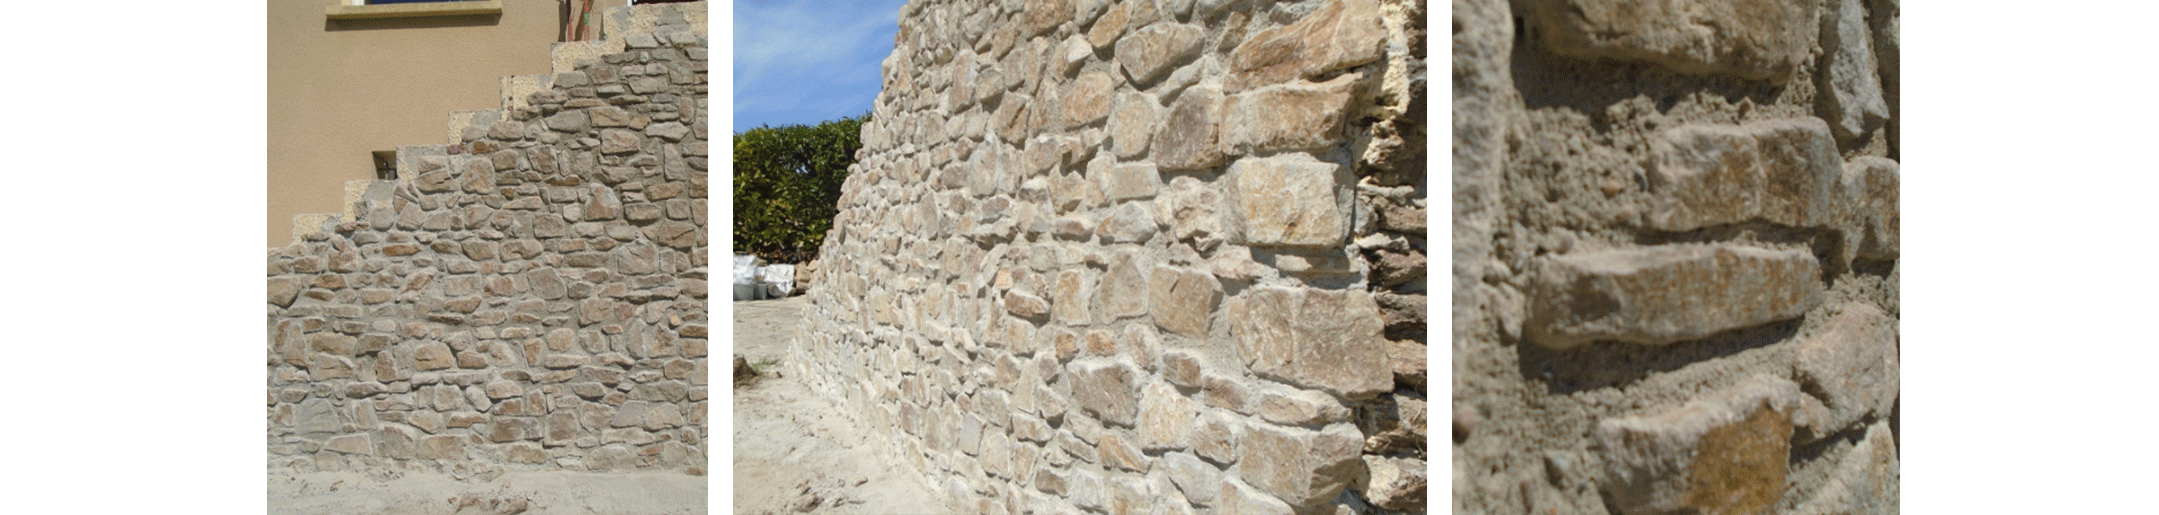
1049,279
1675,244
530,297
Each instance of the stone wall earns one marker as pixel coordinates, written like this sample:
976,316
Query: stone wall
1139,256
1675,256
531,296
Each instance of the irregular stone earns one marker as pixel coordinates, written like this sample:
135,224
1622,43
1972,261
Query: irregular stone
1148,52
1751,39
1852,364
1121,454
283,290
442,447
617,141
1183,301
1237,497
1186,139
1394,483
1131,181
1132,123
572,121
1198,480
1025,305
1123,292
1290,200
1724,452
1301,466
1865,481
1300,407
1340,34
1666,294
1325,340
1106,389
1871,220
1182,367
1165,418
1215,435
1195,213
1087,99
1853,94
432,356
1131,222
1224,392
1292,116
1070,298
1782,171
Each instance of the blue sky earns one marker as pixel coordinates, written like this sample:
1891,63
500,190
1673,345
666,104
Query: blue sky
807,61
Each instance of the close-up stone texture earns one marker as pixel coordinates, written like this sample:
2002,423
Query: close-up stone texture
528,297
1675,256
1138,256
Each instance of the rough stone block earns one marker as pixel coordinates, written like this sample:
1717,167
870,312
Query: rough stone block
1182,367
1326,340
1107,389
1132,123
1290,200
1198,480
1852,362
1340,34
1781,171
442,447
1123,292
1394,483
1237,497
1852,93
1668,294
1182,301
1131,181
1301,466
1725,452
1131,222
1187,138
1119,452
1088,99
1294,116
1166,416
1751,39
1865,481
1872,219
1300,407
1215,435
1148,52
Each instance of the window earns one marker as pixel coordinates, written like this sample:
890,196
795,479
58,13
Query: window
356,9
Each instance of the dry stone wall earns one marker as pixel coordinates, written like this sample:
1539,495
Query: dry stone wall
1141,256
1675,256
531,296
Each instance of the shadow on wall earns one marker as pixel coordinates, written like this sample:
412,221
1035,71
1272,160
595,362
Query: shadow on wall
1607,364
423,22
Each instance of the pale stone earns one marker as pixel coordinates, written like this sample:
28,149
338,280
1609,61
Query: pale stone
1182,367
1131,222
1394,483
1198,480
1123,292
432,356
1724,452
1292,116
1131,181
1228,393
1122,454
1852,363
1783,171
1852,92
1668,294
1301,466
1026,305
1087,99
1165,418
1183,301
1872,219
616,141
442,447
283,290
1751,39
1290,200
1106,389
1186,139
1111,25
1132,123
1865,480
1300,407
1069,298
1148,52
1237,497
1215,435
1325,340
1340,34
1195,212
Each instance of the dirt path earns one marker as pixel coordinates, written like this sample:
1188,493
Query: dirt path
791,455
521,493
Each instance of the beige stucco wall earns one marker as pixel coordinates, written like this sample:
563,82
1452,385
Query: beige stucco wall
340,89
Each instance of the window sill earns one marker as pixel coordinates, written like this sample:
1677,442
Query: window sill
415,10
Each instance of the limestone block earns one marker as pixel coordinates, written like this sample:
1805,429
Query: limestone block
442,447
1340,34
1107,389
1026,305
283,290
1123,292
1186,139
1751,39
1148,52
1131,181
1394,483
1088,491
1165,418
1132,123
1237,497
1725,452
1088,99
1852,95
1782,171
1183,301
1871,220
1131,222
1290,200
1215,436
1290,116
1668,294
1301,466
1228,393
1198,480
1853,363
1119,452
1043,15
1865,481
1325,340
1294,407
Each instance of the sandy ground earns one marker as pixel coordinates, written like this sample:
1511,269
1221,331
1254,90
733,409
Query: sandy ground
791,456
534,493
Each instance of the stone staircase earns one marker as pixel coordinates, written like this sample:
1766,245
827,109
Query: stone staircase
621,28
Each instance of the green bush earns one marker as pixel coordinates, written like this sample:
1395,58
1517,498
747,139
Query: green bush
787,186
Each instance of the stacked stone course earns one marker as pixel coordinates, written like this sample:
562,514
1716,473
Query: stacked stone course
1676,256
1140,256
531,296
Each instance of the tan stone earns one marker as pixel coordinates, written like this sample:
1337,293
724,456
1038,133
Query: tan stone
1340,34
1026,305
1043,15
1325,340
1131,222
1237,497
1110,26
1300,407
1215,436
1289,200
1724,452
1119,453
1131,181
1132,123
1183,301
1165,418
1852,363
1871,220
1782,171
1751,39
1291,116
283,290
332,343
1123,292
1865,480
1150,51
442,447
1301,466
1667,294
1198,481
1069,298
1106,389
1394,483
351,444
1224,392
1187,138
1087,99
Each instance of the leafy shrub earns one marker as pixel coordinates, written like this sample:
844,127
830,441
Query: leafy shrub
787,186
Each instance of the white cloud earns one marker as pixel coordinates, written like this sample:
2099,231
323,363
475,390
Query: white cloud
790,44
